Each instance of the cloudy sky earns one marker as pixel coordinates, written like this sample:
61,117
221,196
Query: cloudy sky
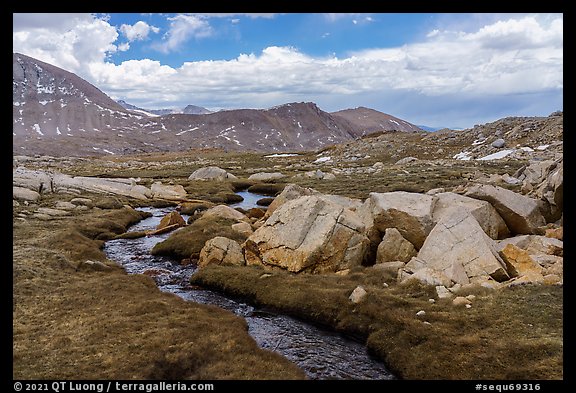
452,70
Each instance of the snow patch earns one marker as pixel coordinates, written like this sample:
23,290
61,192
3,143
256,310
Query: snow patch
185,131
323,159
394,121
463,155
542,147
58,131
36,127
527,149
478,142
108,151
281,155
496,156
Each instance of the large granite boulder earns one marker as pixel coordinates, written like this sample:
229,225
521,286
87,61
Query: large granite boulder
459,248
38,181
113,186
521,214
486,215
410,213
311,234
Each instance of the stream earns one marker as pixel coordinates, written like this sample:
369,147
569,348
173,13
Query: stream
322,354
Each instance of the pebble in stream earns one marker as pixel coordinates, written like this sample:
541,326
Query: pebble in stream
320,353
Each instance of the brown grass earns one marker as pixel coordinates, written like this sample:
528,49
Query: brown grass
507,334
70,324
188,241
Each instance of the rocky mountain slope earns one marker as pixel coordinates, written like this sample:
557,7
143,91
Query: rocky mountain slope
57,113
364,121
188,110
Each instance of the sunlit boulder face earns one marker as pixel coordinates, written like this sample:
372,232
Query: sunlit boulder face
309,234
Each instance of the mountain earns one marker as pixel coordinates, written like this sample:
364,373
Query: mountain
195,110
189,110
364,121
57,113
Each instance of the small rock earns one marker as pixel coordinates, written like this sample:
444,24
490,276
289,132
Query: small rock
460,301
468,306
498,143
64,205
431,301
471,297
421,312
357,294
82,202
443,292
427,323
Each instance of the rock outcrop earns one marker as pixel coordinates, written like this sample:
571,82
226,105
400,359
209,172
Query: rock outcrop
311,234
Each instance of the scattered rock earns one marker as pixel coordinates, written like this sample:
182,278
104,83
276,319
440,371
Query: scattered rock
170,219
25,194
266,176
243,228
82,202
443,292
535,244
421,312
224,211
52,212
498,143
255,212
519,262
211,173
63,205
221,251
93,265
170,192
405,160
555,233
427,276
357,294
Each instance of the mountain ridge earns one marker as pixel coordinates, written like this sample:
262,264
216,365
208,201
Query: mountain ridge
56,112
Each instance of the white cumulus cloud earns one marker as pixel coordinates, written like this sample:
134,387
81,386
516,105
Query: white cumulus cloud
448,70
138,31
182,28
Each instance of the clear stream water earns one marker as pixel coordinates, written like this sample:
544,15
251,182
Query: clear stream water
322,354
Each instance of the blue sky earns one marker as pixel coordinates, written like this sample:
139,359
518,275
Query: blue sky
452,70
